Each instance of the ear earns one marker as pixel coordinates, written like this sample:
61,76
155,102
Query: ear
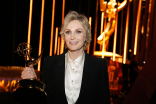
63,36
85,39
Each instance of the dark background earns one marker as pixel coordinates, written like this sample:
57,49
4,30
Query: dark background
14,17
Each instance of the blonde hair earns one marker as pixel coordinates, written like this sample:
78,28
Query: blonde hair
72,15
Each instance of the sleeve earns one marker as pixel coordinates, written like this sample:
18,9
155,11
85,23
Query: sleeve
104,94
44,70
44,75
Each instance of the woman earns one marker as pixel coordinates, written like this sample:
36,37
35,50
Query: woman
74,77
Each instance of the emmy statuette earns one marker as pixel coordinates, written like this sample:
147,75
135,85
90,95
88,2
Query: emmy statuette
29,91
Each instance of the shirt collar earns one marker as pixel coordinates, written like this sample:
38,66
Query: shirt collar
78,60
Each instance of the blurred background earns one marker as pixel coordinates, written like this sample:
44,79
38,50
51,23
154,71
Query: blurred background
123,32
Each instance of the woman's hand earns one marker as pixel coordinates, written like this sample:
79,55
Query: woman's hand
29,73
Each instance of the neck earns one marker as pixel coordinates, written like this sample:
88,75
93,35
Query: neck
74,54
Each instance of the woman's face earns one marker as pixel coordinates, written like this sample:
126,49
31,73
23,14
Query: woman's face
75,36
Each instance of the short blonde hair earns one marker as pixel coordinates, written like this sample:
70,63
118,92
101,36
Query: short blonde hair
72,15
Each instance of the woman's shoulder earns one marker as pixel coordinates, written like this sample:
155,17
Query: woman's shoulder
54,58
94,58
96,61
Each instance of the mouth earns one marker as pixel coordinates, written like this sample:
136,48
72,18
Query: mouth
73,43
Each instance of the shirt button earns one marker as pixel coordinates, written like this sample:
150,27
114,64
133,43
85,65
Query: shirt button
73,69
72,81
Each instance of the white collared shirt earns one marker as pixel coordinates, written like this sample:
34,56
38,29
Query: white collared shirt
73,77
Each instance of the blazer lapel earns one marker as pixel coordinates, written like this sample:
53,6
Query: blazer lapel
59,78
86,78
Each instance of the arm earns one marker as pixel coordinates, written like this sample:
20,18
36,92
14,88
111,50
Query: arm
44,70
45,79
44,76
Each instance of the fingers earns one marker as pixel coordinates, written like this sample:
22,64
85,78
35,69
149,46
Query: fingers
30,66
28,73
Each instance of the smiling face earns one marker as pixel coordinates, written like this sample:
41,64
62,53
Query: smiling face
71,16
75,36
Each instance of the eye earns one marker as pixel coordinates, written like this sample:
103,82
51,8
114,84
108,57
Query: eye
78,31
67,32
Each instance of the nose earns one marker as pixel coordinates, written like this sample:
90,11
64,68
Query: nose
72,36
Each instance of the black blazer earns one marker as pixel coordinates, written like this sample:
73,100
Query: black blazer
94,87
